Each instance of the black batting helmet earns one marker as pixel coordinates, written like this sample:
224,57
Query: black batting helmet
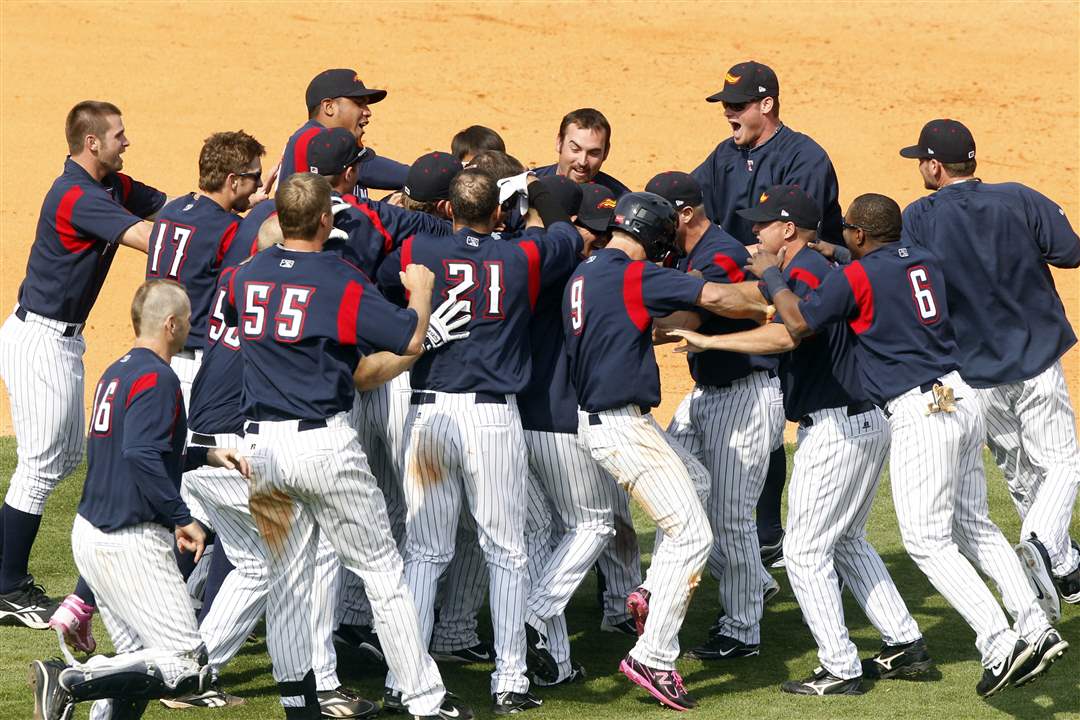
650,219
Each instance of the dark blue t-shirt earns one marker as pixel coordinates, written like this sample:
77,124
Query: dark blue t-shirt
721,258
216,390
502,281
602,178
373,170
302,316
994,242
78,231
893,299
608,307
732,178
135,449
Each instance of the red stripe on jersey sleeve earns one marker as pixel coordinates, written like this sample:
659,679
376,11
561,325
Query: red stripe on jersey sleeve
69,236
348,312
532,256
125,187
144,382
232,290
864,297
376,221
300,161
226,243
406,256
805,276
633,295
734,272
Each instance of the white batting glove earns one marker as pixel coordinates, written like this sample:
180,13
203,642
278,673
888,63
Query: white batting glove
337,205
338,234
445,320
508,187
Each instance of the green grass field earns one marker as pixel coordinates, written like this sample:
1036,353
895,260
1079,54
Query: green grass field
745,688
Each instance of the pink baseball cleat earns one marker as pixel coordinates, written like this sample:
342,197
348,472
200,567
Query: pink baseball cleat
72,620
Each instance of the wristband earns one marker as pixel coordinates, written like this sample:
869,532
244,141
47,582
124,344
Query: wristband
774,282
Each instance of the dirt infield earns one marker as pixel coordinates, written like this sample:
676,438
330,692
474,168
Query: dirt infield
859,78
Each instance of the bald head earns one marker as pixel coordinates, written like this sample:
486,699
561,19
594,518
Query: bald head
161,310
269,233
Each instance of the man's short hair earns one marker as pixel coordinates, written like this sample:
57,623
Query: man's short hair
587,119
422,206
497,164
961,169
223,153
473,197
474,140
301,200
90,117
154,301
878,215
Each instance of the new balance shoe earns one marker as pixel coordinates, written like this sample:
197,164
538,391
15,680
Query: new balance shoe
1068,586
576,675
512,703
906,660
823,682
481,652
212,697
637,604
345,703
451,708
722,647
363,640
1036,563
998,675
626,627
537,656
72,620
27,605
51,700
773,551
1048,648
664,685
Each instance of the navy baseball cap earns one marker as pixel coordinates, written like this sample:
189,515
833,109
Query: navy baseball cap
565,191
597,207
946,141
678,188
747,81
788,203
340,82
429,177
331,151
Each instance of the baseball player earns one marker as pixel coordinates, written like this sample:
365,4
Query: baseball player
463,439
123,533
89,211
731,422
760,153
843,442
192,238
583,144
891,297
608,310
994,243
338,98
475,139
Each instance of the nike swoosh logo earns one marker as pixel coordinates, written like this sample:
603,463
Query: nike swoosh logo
1038,591
450,713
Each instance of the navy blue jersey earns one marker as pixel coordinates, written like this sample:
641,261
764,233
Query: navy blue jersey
732,178
135,451
376,229
78,231
502,281
246,241
301,317
608,307
373,171
216,390
993,242
191,238
820,372
721,258
602,178
893,299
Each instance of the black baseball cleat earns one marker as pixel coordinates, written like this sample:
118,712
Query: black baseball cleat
906,660
1068,586
211,697
51,700
1048,648
363,640
998,675
576,675
481,652
626,627
345,703
823,682
664,685
512,703
538,657
451,709
27,605
1036,563
722,647
773,551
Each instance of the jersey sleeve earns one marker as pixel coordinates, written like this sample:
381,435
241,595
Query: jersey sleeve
229,308
1055,236
726,267
231,252
96,214
387,276
833,302
382,173
139,198
366,318
662,290
812,170
560,250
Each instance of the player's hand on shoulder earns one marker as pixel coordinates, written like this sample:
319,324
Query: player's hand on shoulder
418,279
827,249
230,459
761,260
191,538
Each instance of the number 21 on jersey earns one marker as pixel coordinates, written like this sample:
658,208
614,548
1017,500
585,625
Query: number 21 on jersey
462,281
922,293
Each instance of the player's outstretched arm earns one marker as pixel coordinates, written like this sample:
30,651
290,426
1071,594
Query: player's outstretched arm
769,339
419,282
138,236
731,302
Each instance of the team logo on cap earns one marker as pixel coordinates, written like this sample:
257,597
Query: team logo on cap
730,79
763,198
606,204
356,78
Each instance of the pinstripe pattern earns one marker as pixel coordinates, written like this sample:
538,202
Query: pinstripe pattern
43,372
833,484
641,457
186,369
620,560
1031,430
460,452
732,431
305,484
939,492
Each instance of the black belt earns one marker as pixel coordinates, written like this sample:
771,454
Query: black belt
594,418
204,440
727,385
71,330
301,425
852,410
419,397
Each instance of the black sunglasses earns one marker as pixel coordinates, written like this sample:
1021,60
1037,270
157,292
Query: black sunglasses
848,226
255,175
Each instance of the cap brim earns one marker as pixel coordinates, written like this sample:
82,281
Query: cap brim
732,96
914,152
369,96
756,214
597,224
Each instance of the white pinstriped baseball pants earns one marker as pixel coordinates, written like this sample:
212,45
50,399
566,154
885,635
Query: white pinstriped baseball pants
1031,430
186,368
939,492
833,484
43,372
313,482
633,449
